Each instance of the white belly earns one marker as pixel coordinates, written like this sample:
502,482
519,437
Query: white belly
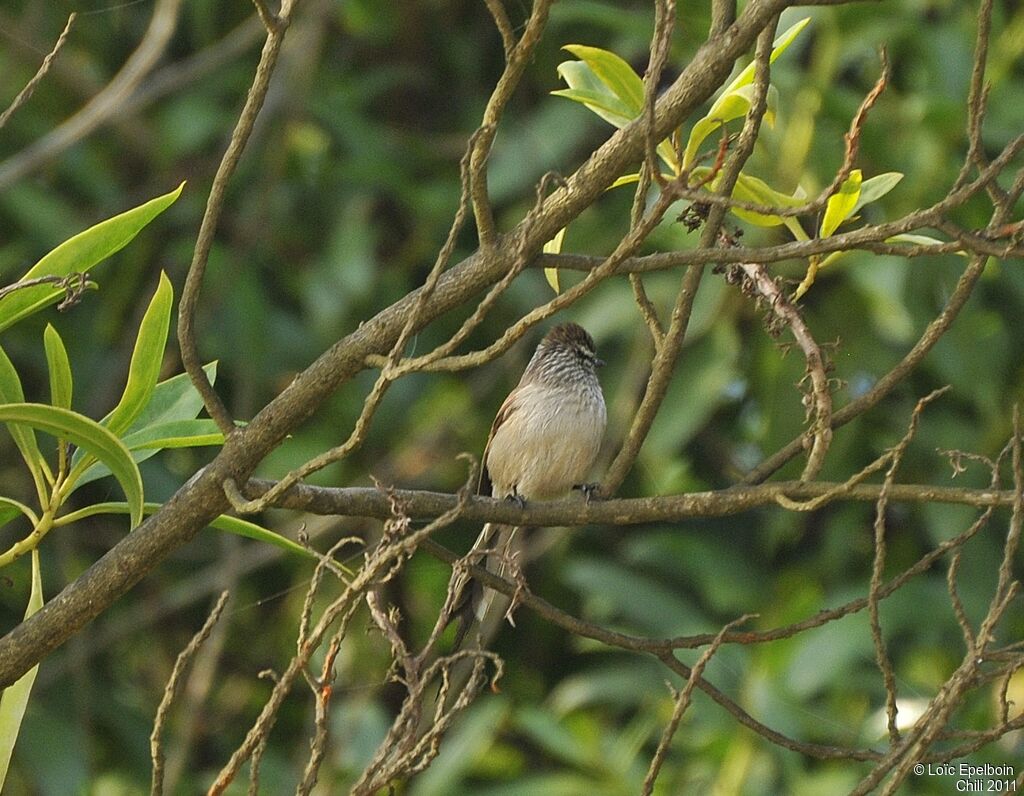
548,444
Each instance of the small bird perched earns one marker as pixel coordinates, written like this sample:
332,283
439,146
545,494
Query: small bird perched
542,444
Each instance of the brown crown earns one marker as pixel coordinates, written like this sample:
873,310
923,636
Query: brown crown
570,334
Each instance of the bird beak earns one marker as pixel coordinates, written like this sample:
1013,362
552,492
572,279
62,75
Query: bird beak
598,362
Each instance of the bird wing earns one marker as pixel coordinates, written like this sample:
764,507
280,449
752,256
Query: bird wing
508,408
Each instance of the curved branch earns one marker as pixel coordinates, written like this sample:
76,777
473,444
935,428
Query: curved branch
276,27
105,104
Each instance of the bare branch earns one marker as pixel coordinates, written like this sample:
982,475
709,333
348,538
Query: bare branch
820,396
26,93
214,206
501,21
667,353
682,703
173,689
104,105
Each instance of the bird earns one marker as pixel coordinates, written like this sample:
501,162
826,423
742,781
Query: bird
542,444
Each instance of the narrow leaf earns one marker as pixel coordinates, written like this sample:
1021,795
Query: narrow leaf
175,434
147,442
7,512
147,358
222,523
875,188
602,103
917,240
15,698
753,189
10,508
779,46
728,107
921,240
625,179
175,398
11,393
59,367
88,435
79,254
729,104
607,85
840,204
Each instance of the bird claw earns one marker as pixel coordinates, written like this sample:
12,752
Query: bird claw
516,498
590,491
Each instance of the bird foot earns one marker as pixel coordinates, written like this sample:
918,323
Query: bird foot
516,498
590,491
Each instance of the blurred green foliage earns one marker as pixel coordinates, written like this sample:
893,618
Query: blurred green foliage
338,208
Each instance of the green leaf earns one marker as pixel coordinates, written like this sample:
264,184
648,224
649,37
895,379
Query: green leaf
607,85
10,508
173,399
626,179
147,359
752,189
875,188
175,434
728,107
15,697
88,435
586,89
554,246
149,441
79,254
734,101
59,367
841,204
24,438
779,46
233,525
613,73
8,512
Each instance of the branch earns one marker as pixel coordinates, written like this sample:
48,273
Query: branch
173,689
26,93
820,396
667,353
276,27
574,512
104,105
682,703
202,497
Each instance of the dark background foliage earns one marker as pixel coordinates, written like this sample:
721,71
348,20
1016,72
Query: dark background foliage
340,204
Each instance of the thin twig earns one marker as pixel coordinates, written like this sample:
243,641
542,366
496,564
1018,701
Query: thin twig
318,746
74,286
515,65
389,370
173,689
394,548
878,567
26,93
105,105
189,303
667,353
682,700
820,396
504,26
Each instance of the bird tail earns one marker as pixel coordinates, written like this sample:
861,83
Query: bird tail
479,607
